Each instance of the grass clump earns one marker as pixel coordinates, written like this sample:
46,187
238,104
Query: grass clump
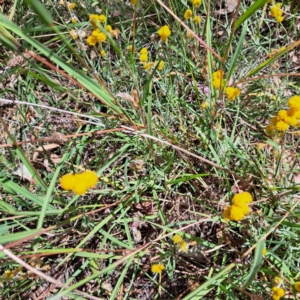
188,115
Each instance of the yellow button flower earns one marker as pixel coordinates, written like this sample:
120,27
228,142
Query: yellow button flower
164,32
157,268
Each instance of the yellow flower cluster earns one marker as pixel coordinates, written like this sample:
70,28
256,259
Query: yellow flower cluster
96,19
187,14
143,55
218,81
240,207
285,118
164,32
196,3
277,293
183,246
72,6
79,183
232,93
157,268
276,12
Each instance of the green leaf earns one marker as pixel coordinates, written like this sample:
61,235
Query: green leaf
40,10
258,258
185,178
251,10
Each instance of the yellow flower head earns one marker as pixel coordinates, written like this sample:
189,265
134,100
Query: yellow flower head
164,32
232,93
101,37
270,130
144,51
197,19
161,65
79,183
102,53
143,57
264,252
297,286
276,12
204,105
91,40
94,19
282,126
74,20
184,247
90,177
108,28
294,103
242,198
148,66
133,2
189,35
236,213
187,14
67,182
218,81
177,239
277,279
196,3
277,293
157,268
72,6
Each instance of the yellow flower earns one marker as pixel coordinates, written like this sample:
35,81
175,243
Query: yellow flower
148,66
277,279
177,239
204,105
184,247
74,34
144,51
277,293
226,213
157,268
236,213
91,40
90,177
72,6
282,114
189,35
242,198
282,126
79,183
143,57
94,19
67,182
294,103
108,28
297,286
74,20
164,32
161,65
133,2
276,12
218,81
264,252
196,3
232,93
80,188
187,14
101,37
102,53
197,19
102,19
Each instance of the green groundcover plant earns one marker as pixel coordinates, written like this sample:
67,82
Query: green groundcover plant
149,149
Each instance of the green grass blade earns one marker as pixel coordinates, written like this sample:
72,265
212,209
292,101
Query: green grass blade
258,258
237,52
209,284
250,11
